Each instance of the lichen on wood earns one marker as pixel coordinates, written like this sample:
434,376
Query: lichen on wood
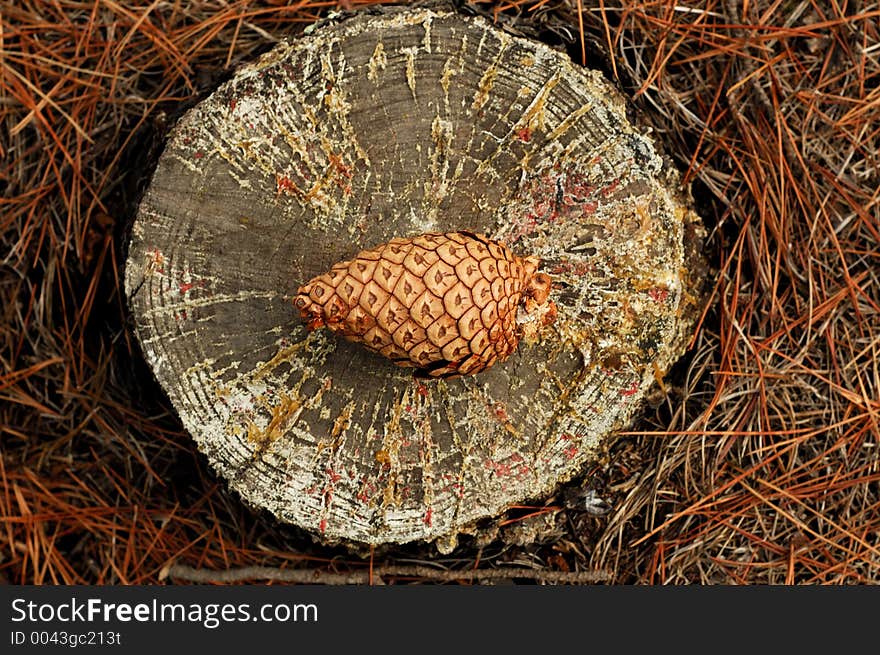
391,125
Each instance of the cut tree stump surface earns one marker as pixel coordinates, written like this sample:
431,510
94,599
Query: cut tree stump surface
395,124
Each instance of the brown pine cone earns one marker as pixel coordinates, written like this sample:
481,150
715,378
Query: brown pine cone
444,303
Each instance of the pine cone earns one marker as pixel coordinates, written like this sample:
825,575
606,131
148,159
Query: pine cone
443,303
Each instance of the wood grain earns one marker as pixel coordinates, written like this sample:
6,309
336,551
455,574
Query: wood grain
391,125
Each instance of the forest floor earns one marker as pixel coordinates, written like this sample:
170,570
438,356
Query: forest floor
759,465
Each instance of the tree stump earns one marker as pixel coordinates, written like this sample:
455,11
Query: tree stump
385,125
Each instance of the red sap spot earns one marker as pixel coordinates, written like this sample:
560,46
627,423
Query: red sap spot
658,294
608,190
198,155
341,168
232,103
422,390
499,469
575,190
567,437
570,452
186,286
157,260
322,526
365,493
458,489
284,184
632,389
525,134
500,412
428,514
576,268
334,476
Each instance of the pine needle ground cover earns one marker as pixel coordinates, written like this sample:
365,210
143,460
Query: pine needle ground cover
759,461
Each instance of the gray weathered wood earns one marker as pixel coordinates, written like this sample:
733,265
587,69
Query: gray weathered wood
392,125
